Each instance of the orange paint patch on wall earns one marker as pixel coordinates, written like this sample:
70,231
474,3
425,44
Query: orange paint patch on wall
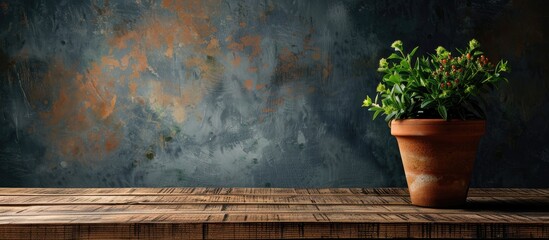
154,32
73,148
110,62
121,42
213,47
111,143
194,16
161,97
189,27
197,62
79,110
179,114
254,42
167,3
236,60
252,69
288,65
268,110
169,41
235,46
105,109
124,62
81,121
169,52
132,87
249,84
140,62
59,108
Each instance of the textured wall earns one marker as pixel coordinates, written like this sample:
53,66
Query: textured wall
246,93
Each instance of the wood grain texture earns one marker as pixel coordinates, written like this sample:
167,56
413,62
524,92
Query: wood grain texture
268,213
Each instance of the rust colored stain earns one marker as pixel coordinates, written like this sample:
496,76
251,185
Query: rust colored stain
132,86
213,47
111,143
197,62
236,60
268,110
81,105
97,84
73,147
124,62
235,46
105,109
249,84
110,62
169,52
81,122
260,86
59,108
288,65
120,42
188,27
167,3
252,69
252,42
194,17
140,62
162,96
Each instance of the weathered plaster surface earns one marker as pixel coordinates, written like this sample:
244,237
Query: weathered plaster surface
245,93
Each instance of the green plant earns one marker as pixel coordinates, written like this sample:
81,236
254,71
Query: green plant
436,85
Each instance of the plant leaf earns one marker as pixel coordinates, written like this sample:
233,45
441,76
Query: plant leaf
425,103
413,51
398,88
395,78
376,114
394,56
443,112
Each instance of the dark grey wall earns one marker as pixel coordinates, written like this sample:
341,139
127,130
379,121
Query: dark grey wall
246,93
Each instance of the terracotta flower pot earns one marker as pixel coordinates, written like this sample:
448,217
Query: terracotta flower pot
438,158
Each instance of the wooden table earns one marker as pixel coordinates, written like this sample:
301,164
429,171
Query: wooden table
244,213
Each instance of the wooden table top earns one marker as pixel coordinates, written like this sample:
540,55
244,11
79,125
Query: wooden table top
240,213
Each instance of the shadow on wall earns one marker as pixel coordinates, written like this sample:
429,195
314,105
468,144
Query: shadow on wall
244,93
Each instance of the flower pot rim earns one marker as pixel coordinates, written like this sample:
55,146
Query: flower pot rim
437,127
436,121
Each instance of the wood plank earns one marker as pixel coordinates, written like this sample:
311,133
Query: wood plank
247,199
305,217
507,192
261,208
268,231
251,213
201,199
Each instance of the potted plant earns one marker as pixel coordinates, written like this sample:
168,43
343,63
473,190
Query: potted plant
432,105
